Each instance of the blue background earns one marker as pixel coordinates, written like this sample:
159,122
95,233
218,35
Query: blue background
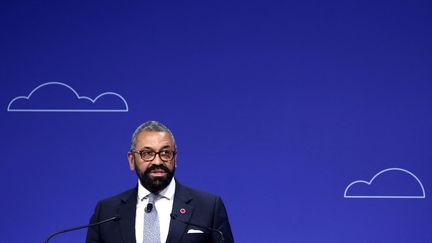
275,105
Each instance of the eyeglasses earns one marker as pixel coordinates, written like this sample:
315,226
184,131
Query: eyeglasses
150,155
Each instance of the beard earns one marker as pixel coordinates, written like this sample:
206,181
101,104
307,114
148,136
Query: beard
155,185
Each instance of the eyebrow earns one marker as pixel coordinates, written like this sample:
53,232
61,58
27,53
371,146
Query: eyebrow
150,148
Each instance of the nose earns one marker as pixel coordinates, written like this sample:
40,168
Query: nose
157,160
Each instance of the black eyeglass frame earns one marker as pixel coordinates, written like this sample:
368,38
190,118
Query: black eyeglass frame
174,152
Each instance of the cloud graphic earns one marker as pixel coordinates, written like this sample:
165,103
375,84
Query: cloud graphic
60,97
388,183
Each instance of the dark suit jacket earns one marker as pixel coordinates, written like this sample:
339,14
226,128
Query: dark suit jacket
198,208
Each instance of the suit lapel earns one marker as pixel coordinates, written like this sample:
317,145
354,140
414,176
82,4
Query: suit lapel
182,212
127,211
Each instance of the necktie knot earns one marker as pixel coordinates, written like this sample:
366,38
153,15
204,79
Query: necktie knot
152,198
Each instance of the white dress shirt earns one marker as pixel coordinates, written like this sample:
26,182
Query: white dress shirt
163,206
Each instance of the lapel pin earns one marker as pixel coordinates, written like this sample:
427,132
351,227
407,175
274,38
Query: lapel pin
182,211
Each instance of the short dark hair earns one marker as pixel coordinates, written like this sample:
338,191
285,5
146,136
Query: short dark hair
152,126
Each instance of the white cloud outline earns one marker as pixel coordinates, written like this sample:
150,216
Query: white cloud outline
379,173
67,110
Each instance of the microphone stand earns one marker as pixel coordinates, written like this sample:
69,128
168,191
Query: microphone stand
115,218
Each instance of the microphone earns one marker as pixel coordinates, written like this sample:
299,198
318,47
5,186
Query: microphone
222,239
115,218
149,208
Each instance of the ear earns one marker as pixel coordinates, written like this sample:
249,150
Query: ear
131,160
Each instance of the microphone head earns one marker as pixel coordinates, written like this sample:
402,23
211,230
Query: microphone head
149,208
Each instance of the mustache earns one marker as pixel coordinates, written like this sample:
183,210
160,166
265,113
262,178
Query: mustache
160,167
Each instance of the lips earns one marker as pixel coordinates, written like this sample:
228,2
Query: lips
158,172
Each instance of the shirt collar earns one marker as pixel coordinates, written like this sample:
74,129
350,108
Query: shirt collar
167,192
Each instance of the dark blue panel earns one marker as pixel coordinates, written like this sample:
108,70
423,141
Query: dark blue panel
304,116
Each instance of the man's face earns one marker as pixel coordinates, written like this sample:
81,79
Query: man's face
156,174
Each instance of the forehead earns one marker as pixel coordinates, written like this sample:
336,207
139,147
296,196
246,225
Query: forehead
155,140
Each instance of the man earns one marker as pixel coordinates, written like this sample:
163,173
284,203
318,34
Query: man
159,208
